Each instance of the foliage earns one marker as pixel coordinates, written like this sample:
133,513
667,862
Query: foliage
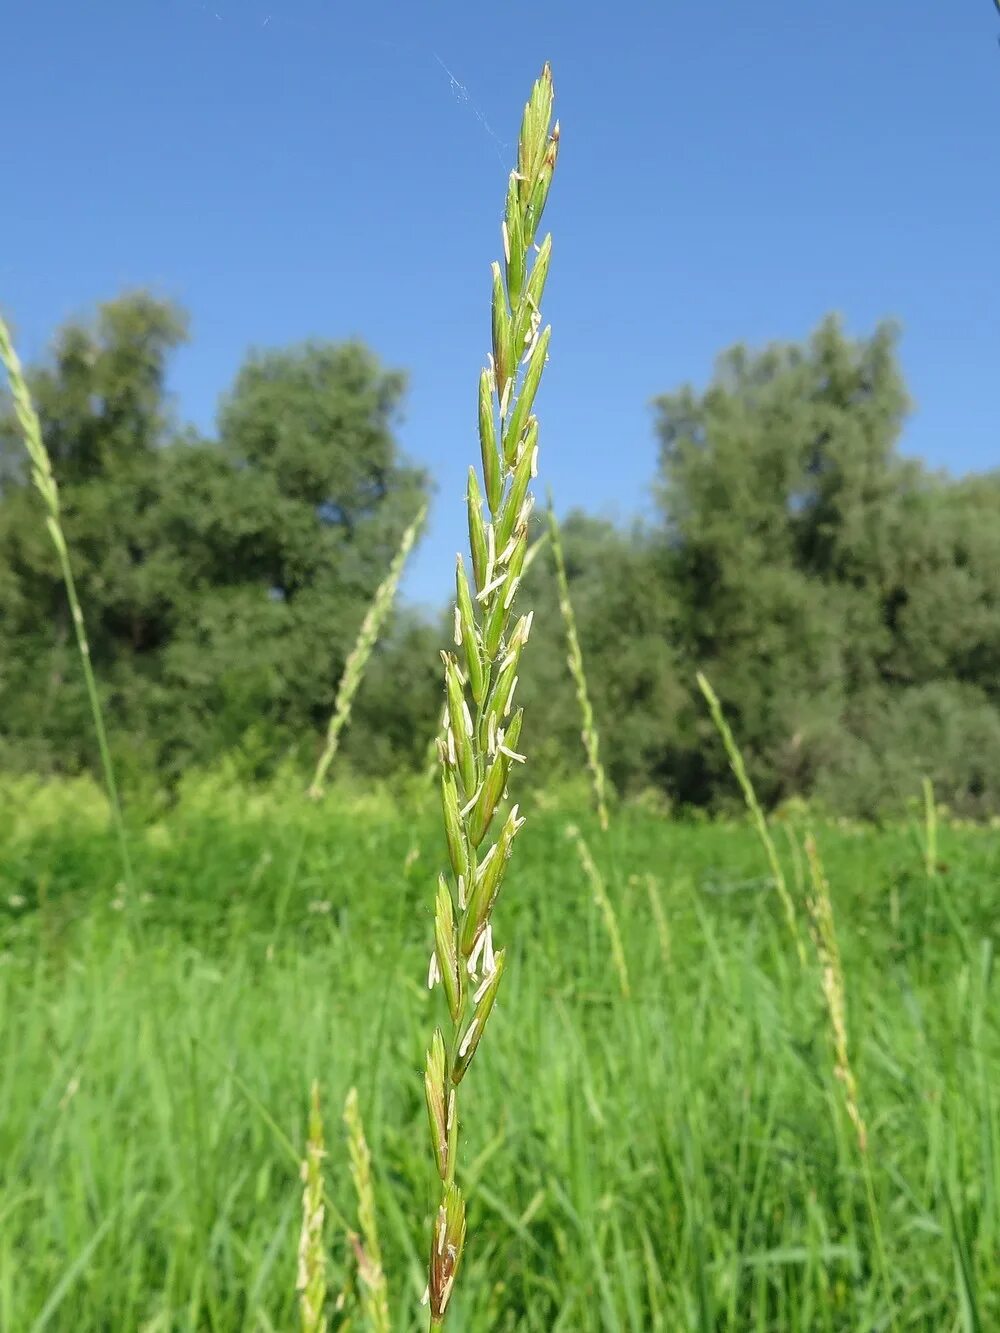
224,582
627,622
844,600
822,577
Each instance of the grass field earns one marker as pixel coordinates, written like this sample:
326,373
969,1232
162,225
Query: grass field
677,1160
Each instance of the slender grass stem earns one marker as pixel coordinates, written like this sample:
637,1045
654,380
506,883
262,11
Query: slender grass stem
45,483
607,910
756,813
588,732
930,829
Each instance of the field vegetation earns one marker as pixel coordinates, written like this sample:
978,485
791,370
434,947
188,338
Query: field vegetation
678,1159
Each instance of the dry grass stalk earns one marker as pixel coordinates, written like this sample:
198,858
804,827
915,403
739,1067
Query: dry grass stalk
311,1283
606,907
479,745
354,667
756,813
588,733
832,980
45,483
367,1250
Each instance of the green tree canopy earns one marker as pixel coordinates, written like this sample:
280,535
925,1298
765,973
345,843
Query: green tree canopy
627,620
223,581
844,600
820,572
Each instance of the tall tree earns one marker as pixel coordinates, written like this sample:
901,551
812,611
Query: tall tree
822,574
224,581
105,419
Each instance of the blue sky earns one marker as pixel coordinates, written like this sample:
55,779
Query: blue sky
295,168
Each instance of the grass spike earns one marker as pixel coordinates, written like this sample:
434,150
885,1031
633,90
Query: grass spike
479,745
835,996
354,667
311,1284
367,1250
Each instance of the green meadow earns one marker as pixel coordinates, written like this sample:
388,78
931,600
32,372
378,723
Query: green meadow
742,1069
677,1159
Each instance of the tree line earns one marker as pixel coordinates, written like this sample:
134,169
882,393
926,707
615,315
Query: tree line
843,599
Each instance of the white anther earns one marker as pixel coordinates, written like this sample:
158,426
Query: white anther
511,592
433,972
467,1039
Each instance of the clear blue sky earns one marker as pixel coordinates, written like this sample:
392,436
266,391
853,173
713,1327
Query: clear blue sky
293,168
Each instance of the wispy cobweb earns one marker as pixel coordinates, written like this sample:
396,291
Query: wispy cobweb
461,94
264,14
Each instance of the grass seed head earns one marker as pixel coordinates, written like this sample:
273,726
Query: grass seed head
367,1248
483,729
357,661
311,1283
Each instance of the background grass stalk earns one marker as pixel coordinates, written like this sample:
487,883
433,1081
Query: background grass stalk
354,667
588,733
45,483
604,903
480,743
311,1283
756,813
659,917
367,1249
835,997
